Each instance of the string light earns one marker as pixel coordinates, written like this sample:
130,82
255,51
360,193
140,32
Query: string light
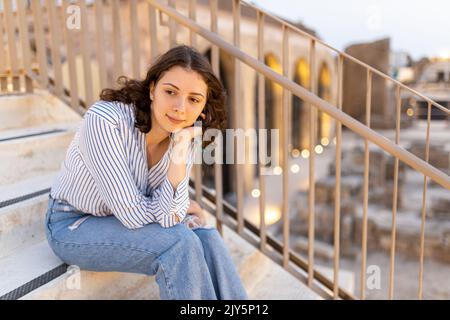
277,170
410,112
256,193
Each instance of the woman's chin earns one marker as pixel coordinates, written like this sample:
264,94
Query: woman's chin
170,127
175,128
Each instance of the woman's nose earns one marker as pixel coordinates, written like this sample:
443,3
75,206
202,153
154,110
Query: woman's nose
181,105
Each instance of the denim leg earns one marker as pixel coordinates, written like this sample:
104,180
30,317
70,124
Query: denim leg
174,255
182,272
225,277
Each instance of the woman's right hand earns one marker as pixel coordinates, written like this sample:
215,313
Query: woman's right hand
186,135
178,156
196,210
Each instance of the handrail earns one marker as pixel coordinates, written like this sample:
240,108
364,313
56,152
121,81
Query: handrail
346,55
353,124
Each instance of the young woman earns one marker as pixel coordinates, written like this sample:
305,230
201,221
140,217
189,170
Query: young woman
121,202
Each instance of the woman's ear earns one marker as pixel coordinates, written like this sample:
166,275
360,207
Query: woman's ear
201,117
151,91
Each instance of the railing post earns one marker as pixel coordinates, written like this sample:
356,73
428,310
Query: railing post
3,62
172,27
424,209
153,32
40,45
117,41
55,47
261,125
135,56
100,46
28,84
192,42
74,101
395,195
10,30
337,193
312,143
86,55
24,36
192,16
285,139
237,119
215,59
365,188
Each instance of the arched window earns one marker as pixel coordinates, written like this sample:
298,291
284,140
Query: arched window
272,104
324,127
300,121
208,170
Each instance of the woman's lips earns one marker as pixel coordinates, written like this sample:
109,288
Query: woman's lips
174,120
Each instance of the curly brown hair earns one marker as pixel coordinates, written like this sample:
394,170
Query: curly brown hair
136,92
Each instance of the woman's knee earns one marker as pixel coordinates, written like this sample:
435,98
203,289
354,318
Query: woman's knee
185,239
207,234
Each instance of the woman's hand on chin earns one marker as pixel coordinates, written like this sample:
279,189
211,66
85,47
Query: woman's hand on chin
186,135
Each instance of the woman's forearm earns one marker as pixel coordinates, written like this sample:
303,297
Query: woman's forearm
177,165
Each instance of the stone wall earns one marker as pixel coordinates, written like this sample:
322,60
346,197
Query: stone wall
375,54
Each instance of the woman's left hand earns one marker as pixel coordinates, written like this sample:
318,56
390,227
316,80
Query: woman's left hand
196,210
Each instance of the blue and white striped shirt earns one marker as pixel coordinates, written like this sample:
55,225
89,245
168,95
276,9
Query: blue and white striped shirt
105,171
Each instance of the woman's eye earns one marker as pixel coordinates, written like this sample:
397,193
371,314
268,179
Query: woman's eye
193,100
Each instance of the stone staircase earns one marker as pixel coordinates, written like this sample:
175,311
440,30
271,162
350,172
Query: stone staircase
35,131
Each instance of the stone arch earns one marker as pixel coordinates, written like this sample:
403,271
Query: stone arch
272,103
227,170
300,118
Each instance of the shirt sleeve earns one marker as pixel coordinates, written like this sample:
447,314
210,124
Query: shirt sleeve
174,201
103,151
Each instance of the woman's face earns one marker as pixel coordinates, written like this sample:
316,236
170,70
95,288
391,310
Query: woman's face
180,94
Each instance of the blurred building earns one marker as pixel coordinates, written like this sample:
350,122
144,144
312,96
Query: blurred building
434,82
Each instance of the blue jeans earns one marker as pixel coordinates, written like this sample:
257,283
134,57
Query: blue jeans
188,264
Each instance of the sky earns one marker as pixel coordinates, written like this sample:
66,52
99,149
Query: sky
418,27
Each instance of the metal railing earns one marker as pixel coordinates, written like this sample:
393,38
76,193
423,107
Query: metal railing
35,62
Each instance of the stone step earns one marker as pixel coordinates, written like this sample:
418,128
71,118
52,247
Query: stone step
24,158
262,278
78,284
266,280
23,187
34,110
29,165
22,224
25,265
